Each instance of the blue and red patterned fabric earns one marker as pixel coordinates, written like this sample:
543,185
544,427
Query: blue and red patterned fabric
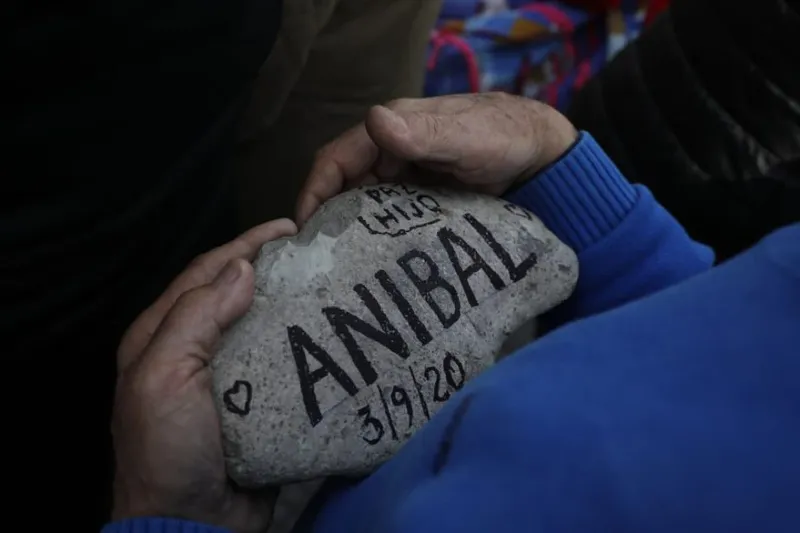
543,49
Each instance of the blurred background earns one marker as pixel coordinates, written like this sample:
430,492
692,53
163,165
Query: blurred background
545,50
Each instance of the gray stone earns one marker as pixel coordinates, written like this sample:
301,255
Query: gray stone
369,319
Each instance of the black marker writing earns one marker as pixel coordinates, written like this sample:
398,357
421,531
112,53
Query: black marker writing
515,272
468,258
238,398
302,344
372,424
400,210
429,282
388,414
399,400
519,211
404,306
450,241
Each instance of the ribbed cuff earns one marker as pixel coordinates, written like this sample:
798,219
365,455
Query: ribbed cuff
581,197
160,525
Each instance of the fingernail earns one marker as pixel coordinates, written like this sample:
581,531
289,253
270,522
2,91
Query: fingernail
229,274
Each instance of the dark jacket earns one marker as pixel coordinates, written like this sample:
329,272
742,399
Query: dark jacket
705,110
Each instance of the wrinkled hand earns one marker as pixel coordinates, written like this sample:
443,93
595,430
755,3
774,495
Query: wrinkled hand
482,142
166,429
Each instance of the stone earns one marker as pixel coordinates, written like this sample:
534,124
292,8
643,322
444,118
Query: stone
366,322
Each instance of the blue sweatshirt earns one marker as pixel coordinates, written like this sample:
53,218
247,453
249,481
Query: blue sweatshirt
666,399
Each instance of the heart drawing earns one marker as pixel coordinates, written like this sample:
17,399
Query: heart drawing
237,399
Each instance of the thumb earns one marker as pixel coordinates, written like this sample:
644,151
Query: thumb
415,136
195,323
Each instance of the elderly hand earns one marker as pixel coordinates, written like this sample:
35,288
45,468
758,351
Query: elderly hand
483,142
166,430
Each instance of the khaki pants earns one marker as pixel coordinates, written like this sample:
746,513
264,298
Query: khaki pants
333,60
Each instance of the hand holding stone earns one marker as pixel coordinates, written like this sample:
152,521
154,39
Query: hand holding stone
166,429
479,142
363,325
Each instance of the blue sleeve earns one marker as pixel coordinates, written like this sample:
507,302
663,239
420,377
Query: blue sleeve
160,525
628,245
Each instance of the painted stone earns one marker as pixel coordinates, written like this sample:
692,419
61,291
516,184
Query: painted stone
364,324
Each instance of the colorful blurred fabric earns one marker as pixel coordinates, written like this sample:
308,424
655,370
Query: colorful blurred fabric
540,49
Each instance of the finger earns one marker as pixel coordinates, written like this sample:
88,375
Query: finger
343,162
369,179
190,331
417,135
200,272
389,167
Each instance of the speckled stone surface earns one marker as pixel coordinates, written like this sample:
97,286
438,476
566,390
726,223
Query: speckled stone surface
369,320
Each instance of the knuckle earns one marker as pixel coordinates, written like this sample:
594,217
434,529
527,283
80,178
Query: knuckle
323,155
498,96
191,299
140,381
241,246
434,125
179,373
199,262
153,382
194,275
